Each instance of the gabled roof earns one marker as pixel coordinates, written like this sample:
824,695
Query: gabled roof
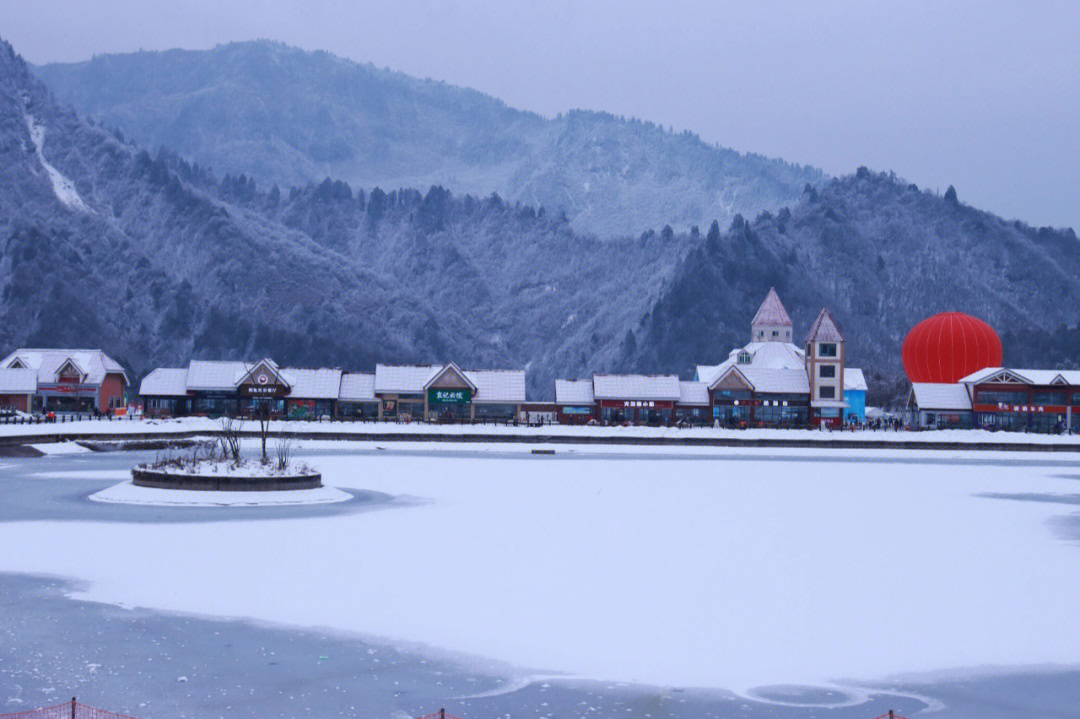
165,382
941,396
94,364
18,381
636,386
357,387
574,391
824,329
1041,377
772,312
306,383
767,379
451,368
854,379
693,393
267,363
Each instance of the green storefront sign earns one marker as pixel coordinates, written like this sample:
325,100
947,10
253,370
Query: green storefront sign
449,396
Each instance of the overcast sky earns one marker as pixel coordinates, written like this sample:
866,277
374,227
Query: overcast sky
981,95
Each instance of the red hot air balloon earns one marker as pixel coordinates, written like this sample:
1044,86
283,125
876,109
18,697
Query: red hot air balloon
950,346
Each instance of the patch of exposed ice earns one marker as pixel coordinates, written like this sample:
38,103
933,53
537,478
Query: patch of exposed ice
62,186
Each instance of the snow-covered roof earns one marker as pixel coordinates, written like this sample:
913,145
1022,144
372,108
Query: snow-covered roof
766,355
772,311
636,386
357,387
491,385
18,381
830,403
1027,376
825,329
207,375
938,395
776,381
165,382
854,379
693,393
497,385
95,364
404,378
312,383
574,391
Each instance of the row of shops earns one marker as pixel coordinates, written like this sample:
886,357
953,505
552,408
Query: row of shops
1028,400
406,392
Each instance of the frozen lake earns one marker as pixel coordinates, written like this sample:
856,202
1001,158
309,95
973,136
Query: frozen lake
726,573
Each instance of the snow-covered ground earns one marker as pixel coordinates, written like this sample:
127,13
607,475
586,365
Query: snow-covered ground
640,564
202,424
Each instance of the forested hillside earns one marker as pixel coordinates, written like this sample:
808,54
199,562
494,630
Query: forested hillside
882,255
290,117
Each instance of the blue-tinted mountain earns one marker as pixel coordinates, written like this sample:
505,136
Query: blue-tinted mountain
285,116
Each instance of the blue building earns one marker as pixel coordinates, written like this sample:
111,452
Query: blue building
854,395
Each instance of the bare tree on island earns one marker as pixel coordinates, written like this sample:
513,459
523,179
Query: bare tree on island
262,414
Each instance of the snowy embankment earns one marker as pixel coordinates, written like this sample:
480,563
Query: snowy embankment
734,571
388,431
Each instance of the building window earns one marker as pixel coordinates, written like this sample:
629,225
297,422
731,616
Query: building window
828,349
775,333
827,392
1048,397
744,357
827,370
1002,396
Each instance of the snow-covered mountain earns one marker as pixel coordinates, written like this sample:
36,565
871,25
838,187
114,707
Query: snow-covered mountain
290,117
157,260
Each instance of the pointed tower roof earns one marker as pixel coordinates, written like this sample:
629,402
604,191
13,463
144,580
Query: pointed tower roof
772,311
825,329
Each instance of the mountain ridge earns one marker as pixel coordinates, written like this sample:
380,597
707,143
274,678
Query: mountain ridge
288,116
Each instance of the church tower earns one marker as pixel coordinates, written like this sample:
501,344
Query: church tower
825,366
771,323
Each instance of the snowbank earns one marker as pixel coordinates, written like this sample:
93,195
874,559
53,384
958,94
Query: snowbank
58,448
63,187
151,427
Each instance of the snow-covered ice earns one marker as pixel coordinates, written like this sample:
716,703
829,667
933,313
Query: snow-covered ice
128,493
62,186
51,448
730,570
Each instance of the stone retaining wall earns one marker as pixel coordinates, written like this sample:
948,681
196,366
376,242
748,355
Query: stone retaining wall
142,477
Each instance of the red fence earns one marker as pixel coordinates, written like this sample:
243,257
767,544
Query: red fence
74,710
68,710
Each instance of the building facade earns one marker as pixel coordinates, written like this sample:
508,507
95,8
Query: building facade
631,399
772,382
445,392
59,380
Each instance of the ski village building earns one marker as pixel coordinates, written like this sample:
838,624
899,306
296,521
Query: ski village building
1036,400
49,380
768,382
443,392
773,382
